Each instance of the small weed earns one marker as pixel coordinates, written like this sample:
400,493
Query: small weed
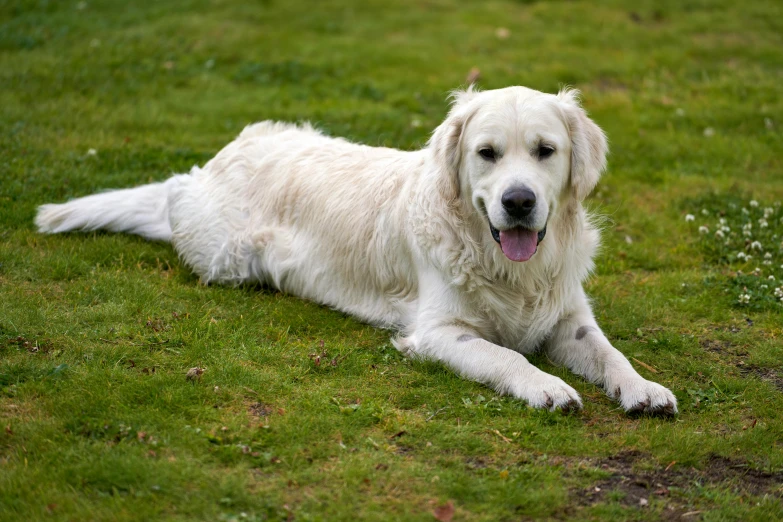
709,397
493,404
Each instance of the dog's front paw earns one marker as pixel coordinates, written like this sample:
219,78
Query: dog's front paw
547,391
642,396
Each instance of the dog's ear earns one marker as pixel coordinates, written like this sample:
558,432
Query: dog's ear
445,143
588,145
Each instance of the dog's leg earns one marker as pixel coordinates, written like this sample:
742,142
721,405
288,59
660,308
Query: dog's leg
476,359
579,344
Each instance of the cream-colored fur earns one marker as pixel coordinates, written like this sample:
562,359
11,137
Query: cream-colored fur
403,239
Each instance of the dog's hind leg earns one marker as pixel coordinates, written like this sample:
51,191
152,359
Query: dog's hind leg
214,233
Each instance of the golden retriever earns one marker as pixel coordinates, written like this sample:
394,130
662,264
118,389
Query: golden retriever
473,248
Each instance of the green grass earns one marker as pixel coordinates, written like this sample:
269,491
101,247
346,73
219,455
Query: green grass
303,413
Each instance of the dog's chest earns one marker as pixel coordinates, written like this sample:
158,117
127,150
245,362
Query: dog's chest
522,320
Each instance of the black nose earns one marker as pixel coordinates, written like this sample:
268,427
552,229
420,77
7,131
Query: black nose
518,202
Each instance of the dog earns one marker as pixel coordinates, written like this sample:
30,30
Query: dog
474,248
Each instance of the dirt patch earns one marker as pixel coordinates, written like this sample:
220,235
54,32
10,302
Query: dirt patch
715,346
476,463
723,347
31,345
156,324
765,374
732,328
259,409
640,488
635,488
404,450
742,477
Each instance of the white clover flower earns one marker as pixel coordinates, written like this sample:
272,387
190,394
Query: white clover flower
771,278
704,230
719,234
756,271
763,287
756,246
741,255
747,226
748,257
745,211
722,221
92,152
744,299
754,203
763,223
767,262
726,229
768,211
768,255
705,212
779,291
690,217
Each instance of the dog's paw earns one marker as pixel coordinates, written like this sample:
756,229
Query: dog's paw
642,396
547,391
404,345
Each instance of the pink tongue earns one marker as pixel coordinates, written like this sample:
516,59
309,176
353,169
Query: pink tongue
519,244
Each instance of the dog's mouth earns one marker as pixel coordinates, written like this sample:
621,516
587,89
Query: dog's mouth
518,243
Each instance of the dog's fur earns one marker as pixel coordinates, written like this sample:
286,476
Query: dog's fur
405,239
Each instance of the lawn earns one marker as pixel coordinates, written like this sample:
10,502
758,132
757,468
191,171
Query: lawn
302,413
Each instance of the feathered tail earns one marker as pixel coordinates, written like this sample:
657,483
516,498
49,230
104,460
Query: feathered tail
142,210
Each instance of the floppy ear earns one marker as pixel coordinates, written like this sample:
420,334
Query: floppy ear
445,143
588,145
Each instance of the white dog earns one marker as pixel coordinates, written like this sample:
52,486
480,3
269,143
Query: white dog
474,248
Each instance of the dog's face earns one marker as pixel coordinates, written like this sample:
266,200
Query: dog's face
514,154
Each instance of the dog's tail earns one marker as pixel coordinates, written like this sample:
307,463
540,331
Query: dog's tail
142,210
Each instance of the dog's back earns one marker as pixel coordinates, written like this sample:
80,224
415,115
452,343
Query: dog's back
284,205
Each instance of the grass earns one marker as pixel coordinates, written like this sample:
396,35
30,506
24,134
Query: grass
303,413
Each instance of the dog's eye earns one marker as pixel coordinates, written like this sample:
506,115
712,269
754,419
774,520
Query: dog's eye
544,151
488,153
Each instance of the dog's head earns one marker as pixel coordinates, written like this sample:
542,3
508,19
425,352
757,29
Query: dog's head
515,155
